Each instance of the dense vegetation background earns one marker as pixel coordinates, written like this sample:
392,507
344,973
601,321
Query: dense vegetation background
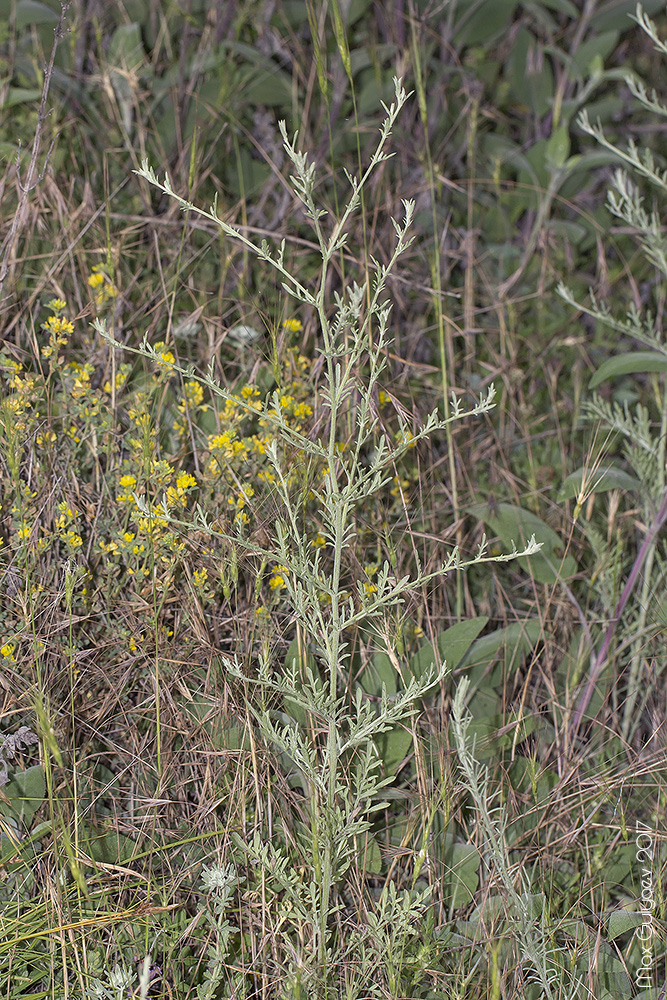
133,755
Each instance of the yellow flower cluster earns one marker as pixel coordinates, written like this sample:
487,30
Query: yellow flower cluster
176,496
58,330
277,580
104,290
190,406
119,380
165,358
370,570
67,527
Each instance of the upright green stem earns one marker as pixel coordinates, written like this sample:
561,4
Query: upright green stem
445,341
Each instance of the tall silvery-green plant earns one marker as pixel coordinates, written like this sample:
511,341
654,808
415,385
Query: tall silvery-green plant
340,764
643,434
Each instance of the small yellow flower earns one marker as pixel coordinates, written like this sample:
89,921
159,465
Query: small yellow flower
7,650
302,410
96,279
277,581
164,357
173,496
58,325
184,481
127,482
400,485
111,548
200,578
219,442
161,471
194,394
56,305
292,325
319,541
405,437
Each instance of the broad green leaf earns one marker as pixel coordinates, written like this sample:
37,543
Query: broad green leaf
611,972
379,671
26,793
33,12
514,524
622,863
598,480
558,147
368,855
126,50
424,659
19,95
247,176
489,660
586,162
537,158
629,364
126,55
455,641
597,48
452,645
393,747
622,921
489,910
541,87
274,89
512,642
479,23
11,849
460,879
562,6
574,233
616,15
373,92
111,847
503,149
236,738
